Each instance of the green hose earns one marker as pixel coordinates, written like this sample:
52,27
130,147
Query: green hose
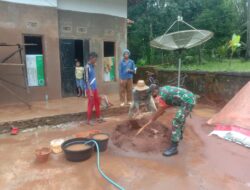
99,168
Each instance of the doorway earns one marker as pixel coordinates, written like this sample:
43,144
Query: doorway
70,50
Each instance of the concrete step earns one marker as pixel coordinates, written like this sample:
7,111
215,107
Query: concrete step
5,127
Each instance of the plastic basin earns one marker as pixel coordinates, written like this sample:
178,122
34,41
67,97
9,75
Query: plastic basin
77,155
102,141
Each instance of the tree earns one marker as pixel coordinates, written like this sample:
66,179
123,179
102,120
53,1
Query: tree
153,17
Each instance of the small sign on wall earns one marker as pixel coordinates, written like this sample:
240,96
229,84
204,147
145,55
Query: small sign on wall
109,69
35,70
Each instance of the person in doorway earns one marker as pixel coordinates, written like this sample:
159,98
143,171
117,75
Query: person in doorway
126,71
79,71
91,89
166,97
141,96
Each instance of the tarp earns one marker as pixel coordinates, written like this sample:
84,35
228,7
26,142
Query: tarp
233,121
233,133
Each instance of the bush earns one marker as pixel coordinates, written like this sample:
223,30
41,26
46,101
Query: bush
141,62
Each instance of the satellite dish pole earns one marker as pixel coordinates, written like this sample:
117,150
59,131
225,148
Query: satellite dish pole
179,72
179,19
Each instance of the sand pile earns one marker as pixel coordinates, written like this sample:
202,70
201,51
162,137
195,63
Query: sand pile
236,112
155,138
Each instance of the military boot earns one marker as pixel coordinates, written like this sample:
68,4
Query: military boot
172,150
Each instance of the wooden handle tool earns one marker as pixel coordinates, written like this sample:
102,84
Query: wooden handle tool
141,129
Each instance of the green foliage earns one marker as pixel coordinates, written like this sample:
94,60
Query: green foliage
234,44
153,17
141,62
222,52
189,59
218,16
236,65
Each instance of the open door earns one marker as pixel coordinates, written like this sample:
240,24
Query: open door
69,51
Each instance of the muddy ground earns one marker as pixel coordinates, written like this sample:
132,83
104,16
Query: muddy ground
203,163
154,138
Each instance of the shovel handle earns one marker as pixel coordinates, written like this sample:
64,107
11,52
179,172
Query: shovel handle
141,129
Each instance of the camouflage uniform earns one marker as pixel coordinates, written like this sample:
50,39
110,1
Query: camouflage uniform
185,100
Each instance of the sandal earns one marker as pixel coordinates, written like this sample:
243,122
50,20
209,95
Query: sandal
90,123
100,120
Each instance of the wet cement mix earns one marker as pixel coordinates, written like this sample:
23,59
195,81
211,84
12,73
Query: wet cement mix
154,138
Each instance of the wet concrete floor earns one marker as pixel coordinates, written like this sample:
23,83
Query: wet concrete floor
203,163
18,112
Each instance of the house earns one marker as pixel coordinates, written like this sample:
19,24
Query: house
54,34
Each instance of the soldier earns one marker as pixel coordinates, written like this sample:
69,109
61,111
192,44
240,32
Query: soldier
166,97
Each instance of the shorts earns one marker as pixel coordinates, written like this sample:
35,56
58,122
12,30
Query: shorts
80,83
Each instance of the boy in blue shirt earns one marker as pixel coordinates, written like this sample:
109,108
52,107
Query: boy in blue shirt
91,89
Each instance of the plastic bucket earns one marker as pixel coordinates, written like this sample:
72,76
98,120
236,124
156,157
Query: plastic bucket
42,154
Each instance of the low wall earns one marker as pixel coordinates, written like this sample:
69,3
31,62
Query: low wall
217,86
5,127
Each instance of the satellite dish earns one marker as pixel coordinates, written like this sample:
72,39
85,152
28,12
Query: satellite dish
181,40
185,39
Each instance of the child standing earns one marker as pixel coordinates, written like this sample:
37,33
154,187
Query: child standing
79,71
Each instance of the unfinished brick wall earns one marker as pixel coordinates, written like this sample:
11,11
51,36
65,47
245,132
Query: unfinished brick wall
218,87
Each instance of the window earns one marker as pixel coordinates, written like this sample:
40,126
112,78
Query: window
109,61
34,60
